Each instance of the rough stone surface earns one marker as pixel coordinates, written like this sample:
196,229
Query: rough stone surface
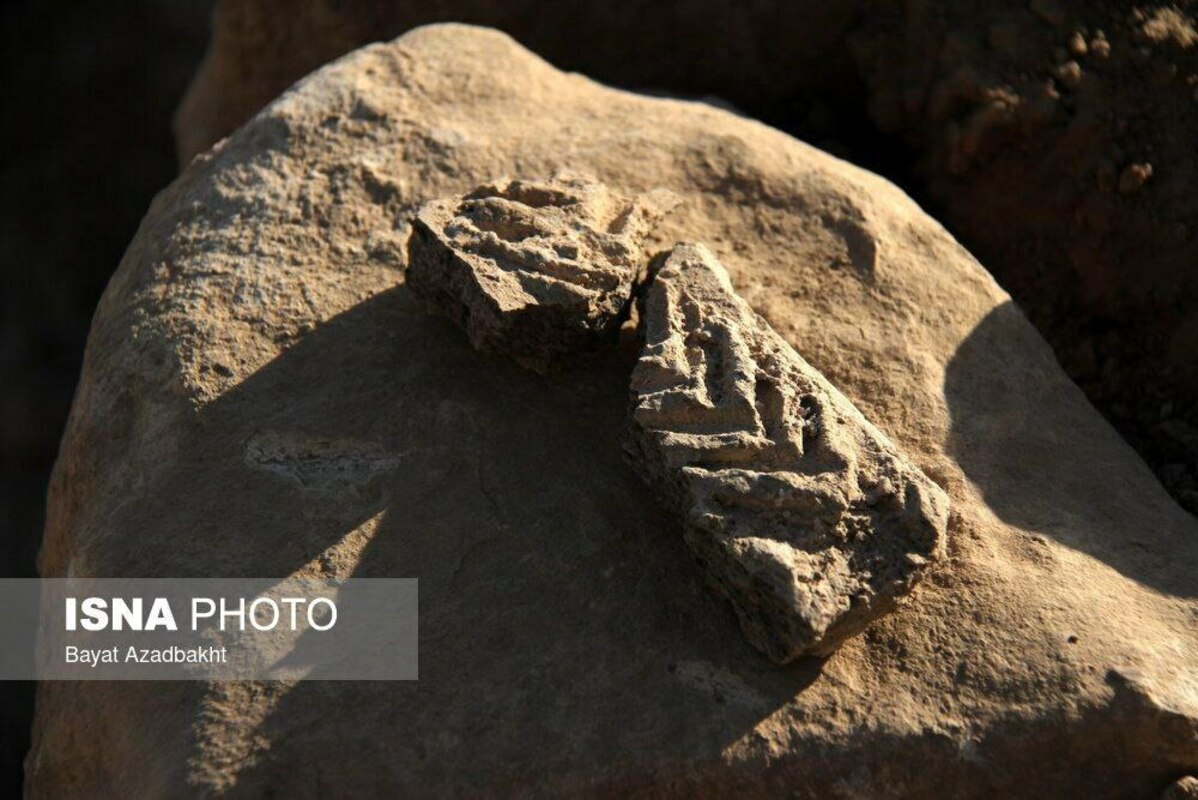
800,511
538,270
702,47
568,645
1019,126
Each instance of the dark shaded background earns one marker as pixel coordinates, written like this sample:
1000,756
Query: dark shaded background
88,90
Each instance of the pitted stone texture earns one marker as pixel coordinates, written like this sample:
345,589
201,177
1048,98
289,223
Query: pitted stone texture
801,512
534,270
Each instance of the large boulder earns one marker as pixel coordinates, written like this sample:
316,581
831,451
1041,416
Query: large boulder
262,396
1055,137
774,51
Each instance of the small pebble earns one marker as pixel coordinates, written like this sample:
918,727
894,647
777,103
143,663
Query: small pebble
1077,44
1069,74
1134,176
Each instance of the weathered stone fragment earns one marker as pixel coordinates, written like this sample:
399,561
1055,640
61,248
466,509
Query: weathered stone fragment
534,270
800,511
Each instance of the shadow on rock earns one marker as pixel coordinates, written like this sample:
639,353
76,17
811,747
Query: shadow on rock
557,598
1015,433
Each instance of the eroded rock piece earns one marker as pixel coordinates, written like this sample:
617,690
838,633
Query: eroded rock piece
800,511
534,270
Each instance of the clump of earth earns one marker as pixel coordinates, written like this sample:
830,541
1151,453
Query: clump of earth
1057,139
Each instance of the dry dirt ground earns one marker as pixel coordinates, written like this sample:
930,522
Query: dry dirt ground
1057,140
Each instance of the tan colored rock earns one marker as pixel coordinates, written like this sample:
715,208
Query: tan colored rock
800,511
538,270
969,88
261,47
568,645
1133,177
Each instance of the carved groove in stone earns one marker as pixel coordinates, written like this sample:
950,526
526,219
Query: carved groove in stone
804,515
534,270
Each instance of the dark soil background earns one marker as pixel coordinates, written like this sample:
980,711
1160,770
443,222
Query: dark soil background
89,90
